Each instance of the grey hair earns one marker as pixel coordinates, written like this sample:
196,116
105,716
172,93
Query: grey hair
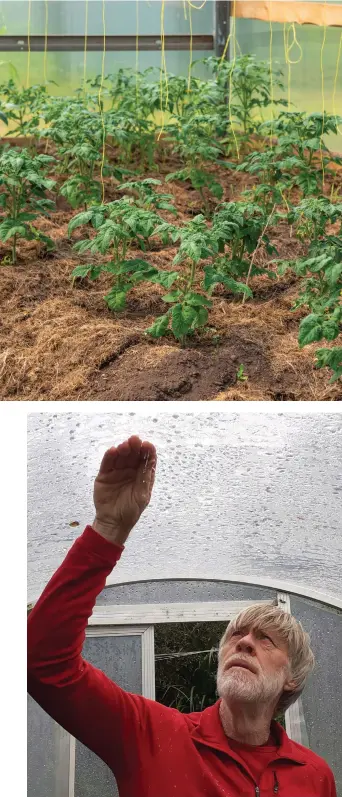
290,631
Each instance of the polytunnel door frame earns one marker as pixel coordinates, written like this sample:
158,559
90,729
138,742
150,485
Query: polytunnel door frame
94,629
123,620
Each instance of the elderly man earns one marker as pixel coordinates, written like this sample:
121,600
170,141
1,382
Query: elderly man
231,749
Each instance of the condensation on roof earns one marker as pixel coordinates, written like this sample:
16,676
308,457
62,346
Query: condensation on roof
248,495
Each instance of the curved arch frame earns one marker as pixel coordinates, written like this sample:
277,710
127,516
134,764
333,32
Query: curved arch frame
278,586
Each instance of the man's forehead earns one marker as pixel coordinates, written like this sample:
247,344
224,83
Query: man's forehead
263,626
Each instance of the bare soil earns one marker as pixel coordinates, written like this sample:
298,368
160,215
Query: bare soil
59,341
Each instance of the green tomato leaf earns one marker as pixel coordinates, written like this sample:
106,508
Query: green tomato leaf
183,317
86,271
202,316
330,329
79,220
197,300
173,296
165,278
159,327
116,299
310,329
331,358
14,229
133,266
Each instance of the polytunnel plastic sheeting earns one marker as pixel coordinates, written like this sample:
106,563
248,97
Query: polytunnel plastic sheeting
249,496
322,696
122,17
177,591
68,17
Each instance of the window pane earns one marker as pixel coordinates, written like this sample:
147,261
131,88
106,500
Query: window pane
43,735
120,658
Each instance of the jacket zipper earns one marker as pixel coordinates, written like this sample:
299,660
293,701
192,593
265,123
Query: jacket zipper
276,784
275,787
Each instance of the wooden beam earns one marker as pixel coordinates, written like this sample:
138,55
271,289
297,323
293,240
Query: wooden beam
304,13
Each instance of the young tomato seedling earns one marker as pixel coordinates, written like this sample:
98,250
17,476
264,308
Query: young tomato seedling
196,147
301,147
252,85
189,309
240,226
24,183
118,225
23,108
78,135
146,197
321,290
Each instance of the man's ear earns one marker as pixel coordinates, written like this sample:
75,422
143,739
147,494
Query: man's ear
289,686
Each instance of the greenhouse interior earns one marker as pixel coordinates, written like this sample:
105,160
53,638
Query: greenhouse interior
245,510
170,187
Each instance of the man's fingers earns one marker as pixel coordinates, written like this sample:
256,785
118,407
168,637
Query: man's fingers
149,454
147,470
130,446
108,460
133,452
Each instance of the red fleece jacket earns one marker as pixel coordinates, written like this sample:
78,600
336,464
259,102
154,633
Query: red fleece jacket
152,750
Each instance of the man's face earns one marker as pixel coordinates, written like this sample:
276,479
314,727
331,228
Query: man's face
266,669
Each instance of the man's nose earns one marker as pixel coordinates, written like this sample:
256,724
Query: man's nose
246,643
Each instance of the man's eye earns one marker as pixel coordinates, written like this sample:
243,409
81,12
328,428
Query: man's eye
264,636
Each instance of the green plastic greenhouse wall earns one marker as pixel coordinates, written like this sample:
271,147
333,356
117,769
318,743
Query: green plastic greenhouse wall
308,92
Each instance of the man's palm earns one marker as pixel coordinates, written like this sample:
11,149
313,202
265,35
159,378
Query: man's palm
123,486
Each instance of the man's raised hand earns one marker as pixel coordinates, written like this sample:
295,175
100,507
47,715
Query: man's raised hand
123,488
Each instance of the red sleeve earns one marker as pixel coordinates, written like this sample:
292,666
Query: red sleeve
332,784
80,697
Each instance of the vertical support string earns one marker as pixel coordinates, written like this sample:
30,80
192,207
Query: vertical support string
45,40
271,73
322,90
85,47
163,72
191,48
100,98
336,79
289,61
136,49
28,64
231,81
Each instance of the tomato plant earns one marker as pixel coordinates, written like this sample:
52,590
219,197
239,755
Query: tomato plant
24,184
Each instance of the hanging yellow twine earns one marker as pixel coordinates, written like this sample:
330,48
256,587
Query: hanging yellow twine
137,50
163,71
191,48
271,74
85,47
45,40
100,98
288,48
231,121
197,8
187,4
323,98
225,49
28,65
335,81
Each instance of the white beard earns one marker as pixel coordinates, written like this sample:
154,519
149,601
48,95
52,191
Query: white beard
248,687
